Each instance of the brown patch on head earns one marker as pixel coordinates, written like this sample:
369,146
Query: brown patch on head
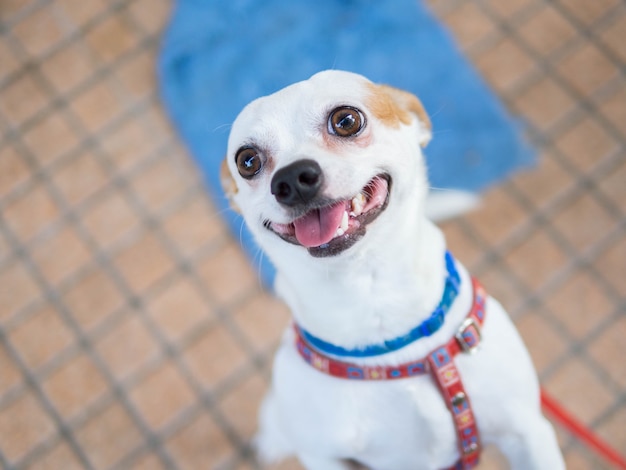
393,107
228,185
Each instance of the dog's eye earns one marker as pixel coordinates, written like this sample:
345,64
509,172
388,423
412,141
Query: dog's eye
249,162
345,121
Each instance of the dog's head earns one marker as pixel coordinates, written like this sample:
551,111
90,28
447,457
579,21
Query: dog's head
317,166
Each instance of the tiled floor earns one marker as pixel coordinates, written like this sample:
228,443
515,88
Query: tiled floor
133,333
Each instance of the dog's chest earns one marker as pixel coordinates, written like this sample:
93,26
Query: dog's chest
401,424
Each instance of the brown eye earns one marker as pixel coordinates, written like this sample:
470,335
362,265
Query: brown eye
345,121
249,162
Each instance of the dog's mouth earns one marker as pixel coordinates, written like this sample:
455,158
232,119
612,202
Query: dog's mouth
333,228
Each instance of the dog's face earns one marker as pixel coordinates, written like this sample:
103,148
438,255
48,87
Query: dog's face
318,165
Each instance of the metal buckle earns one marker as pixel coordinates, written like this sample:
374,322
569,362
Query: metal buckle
469,321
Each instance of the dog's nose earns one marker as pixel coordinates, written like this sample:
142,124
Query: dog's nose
297,183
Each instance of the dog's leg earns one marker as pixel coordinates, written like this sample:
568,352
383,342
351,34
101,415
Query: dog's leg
534,448
270,442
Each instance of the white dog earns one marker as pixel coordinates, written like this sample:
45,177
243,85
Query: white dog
329,175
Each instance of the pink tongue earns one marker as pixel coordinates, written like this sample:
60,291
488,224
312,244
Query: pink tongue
319,226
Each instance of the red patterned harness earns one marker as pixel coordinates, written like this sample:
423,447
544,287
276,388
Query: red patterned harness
440,364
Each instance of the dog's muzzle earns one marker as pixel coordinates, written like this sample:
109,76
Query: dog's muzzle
325,227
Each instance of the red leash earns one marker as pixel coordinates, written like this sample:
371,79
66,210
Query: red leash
580,431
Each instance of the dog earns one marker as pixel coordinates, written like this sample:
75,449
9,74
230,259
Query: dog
329,176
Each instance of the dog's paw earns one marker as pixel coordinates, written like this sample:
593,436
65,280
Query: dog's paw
271,448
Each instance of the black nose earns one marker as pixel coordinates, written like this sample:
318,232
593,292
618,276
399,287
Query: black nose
297,183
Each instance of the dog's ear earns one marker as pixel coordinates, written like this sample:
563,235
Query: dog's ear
228,185
394,106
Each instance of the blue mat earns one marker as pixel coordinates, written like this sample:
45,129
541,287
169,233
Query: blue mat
217,56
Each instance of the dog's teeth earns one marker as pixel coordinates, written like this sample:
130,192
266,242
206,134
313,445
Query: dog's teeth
343,226
357,203
344,222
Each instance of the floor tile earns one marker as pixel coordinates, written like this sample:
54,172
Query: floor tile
135,74
41,337
10,376
496,222
68,67
14,170
613,185
162,395
79,178
179,309
579,390
143,262
129,144
23,98
501,287
544,103
263,320
93,298
584,222
587,69
578,459
588,12
580,304
613,36
464,247
152,15
18,289
547,181
586,144
227,275
200,444
50,138
158,184
469,23
39,31
148,462
23,425
611,264
214,357
110,39
97,106
609,346
536,259
75,386
547,31
242,404
511,8
613,430
10,64
612,109
78,13
505,65
60,456
194,225
110,218
55,268
108,436
127,346
544,342
32,211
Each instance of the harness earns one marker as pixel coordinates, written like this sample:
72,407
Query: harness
439,363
